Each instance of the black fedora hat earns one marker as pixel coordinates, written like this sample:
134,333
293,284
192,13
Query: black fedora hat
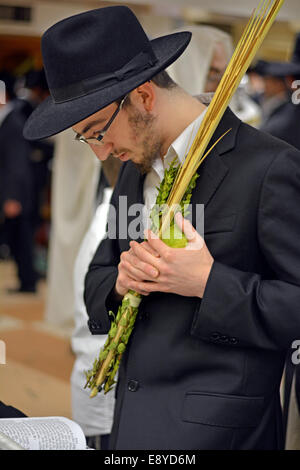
280,69
93,59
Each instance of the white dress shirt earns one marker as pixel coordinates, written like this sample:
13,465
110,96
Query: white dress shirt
180,148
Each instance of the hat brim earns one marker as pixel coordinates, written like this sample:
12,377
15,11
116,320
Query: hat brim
283,69
277,69
50,118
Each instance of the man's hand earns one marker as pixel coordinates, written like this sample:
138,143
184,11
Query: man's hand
182,271
12,208
131,268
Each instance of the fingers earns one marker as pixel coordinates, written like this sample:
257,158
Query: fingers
149,287
137,268
149,248
195,241
155,243
124,283
148,256
185,226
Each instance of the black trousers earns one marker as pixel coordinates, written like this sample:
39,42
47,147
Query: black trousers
19,233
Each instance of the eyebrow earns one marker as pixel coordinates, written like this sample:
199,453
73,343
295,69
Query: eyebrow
90,125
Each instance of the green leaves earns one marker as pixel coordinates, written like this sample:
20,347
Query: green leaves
109,357
121,348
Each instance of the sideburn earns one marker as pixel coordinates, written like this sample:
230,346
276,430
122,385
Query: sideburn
142,126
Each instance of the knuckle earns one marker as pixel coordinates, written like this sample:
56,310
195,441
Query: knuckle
147,268
121,278
168,255
121,266
165,270
146,246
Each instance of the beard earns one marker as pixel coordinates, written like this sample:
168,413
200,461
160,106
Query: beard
144,130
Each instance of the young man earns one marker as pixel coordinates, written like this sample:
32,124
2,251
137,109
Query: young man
203,366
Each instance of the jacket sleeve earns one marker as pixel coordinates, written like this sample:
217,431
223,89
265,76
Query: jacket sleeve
243,309
102,273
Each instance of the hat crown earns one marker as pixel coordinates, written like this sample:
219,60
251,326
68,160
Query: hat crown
91,43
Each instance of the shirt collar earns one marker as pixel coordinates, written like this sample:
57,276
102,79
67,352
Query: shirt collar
180,146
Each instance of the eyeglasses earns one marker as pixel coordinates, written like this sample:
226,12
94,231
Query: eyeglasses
98,140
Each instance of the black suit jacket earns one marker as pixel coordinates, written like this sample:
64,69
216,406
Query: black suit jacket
205,374
15,170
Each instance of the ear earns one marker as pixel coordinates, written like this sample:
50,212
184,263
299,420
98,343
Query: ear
144,96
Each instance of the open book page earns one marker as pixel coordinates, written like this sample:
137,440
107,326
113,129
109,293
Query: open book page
47,433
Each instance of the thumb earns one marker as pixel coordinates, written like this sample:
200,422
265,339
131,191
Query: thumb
186,227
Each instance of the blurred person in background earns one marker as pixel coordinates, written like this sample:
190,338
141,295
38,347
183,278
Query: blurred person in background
280,106
202,67
254,86
35,91
94,416
16,188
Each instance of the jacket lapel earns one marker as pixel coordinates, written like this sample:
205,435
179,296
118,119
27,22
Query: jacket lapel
213,170
135,197
134,184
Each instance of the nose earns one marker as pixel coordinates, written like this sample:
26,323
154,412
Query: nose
102,151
